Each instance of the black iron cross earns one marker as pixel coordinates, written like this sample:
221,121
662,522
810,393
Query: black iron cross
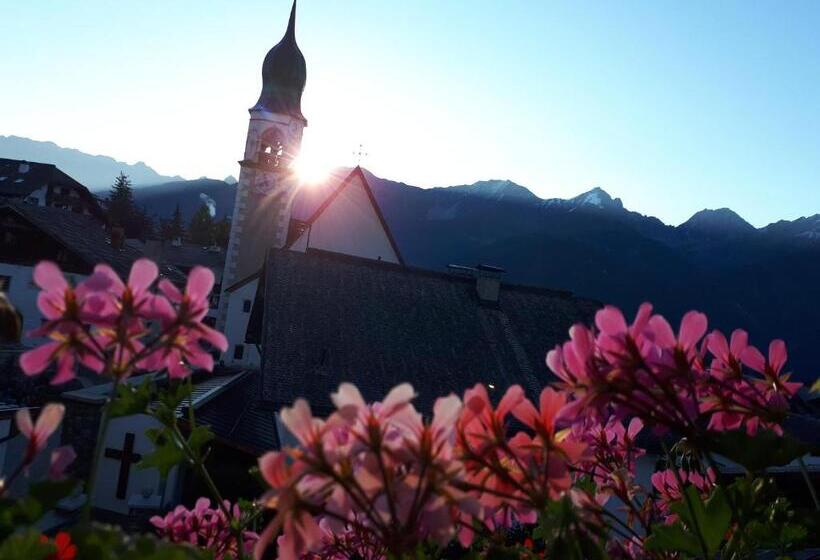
126,457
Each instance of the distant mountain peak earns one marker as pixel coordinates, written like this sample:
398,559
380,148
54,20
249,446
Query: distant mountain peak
497,189
596,197
717,221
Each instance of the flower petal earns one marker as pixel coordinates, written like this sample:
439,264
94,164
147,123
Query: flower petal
23,421
143,273
36,361
49,277
200,282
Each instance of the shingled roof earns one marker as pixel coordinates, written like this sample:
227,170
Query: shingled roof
323,318
84,236
20,178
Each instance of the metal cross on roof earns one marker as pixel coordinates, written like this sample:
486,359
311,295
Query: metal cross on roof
360,154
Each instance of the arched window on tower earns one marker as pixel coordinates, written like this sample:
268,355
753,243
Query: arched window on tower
271,149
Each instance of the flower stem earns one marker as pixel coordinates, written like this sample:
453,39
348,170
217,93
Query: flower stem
670,460
95,464
805,472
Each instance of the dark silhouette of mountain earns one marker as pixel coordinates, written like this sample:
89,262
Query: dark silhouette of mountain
722,222
161,200
95,172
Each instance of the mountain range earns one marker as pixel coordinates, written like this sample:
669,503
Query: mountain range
765,280
95,172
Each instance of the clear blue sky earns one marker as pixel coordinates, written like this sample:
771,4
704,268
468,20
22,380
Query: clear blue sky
673,106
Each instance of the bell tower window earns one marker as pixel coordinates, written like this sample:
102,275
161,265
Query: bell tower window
271,149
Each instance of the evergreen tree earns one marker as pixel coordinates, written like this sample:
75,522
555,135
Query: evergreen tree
177,226
200,230
122,211
222,232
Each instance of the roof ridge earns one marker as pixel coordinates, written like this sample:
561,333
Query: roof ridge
424,271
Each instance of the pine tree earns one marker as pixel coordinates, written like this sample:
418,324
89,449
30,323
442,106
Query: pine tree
200,230
176,227
122,211
222,232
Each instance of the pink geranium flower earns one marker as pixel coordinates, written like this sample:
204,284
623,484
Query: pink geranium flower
772,367
182,345
37,433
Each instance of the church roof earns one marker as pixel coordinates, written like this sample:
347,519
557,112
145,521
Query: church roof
323,318
284,73
355,173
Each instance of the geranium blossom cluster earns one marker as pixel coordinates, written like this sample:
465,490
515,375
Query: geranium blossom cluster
376,468
376,477
670,486
116,328
515,476
206,527
668,380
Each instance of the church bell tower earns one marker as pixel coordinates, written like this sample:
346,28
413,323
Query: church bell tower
267,183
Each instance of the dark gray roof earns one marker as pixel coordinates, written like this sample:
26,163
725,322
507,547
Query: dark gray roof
240,418
284,73
324,318
84,236
19,178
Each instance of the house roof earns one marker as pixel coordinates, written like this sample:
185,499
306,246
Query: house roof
357,172
323,318
19,178
227,401
84,236
241,418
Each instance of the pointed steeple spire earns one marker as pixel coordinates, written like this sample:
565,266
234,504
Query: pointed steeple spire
284,74
291,32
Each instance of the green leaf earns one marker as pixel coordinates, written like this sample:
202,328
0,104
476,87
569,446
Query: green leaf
48,492
131,400
766,449
166,454
198,438
673,538
711,518
815,387
25,546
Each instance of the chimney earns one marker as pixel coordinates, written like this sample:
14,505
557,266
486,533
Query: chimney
487,280
488,283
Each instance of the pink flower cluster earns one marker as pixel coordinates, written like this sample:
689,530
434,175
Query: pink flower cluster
116,329
205,527
671,381
377,469
670,487
378,477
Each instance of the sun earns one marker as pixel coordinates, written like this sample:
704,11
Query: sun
311,167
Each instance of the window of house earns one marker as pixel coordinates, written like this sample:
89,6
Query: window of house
238,351
246,306
5,283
